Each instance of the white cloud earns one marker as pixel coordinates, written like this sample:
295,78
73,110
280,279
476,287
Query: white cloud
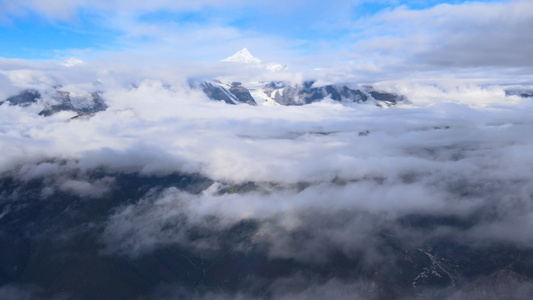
487,36
470,39
72,61
325,178
458,148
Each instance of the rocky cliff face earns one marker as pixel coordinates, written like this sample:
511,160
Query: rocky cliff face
79,103
502,284
61,101
241,93
232,94
216,92
521,92
24,98
307,93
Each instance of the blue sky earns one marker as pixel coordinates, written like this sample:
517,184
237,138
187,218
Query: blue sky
32,32
33,37
367,36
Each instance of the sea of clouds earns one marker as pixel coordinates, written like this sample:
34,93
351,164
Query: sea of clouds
327,176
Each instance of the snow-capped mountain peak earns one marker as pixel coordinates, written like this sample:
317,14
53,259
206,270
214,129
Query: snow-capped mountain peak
243,56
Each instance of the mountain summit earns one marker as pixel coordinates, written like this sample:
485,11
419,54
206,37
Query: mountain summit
243,56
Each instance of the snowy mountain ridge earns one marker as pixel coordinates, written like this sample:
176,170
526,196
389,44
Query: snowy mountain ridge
84,103
284,93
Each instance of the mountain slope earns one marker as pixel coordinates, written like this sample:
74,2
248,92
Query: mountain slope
60,101
294,94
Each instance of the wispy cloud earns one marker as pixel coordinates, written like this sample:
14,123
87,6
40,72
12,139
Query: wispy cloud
385,40
447,37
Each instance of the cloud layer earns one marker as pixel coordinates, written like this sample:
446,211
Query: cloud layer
308,189
346,40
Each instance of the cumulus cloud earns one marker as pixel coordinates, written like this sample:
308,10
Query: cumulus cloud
471,35
87,189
